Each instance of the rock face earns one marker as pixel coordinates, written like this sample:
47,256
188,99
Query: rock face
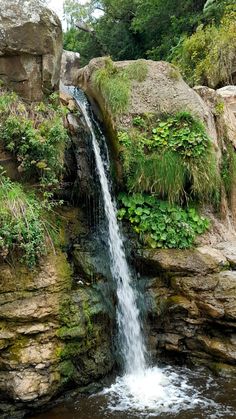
192,305
29,318
222,104
50,336
30,47
70,65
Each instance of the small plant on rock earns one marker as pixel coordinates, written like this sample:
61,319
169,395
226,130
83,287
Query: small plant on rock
159,224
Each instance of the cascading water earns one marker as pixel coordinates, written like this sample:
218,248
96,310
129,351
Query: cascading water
133,347
142,389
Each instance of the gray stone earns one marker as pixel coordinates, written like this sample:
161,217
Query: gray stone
30,47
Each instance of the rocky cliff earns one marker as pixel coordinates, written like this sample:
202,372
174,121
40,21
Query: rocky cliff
30,48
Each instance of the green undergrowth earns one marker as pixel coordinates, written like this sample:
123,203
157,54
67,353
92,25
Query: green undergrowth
35,135
160,224
24,226
115,83
172,158
208,56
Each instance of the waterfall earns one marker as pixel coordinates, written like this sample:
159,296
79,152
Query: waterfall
144,389
130,334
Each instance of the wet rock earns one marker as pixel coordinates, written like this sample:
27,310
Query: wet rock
194,317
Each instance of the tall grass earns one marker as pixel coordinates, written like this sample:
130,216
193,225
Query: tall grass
164,175
138,70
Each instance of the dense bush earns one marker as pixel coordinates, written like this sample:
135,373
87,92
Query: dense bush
172,158
35,135
23,225
159,224
208,56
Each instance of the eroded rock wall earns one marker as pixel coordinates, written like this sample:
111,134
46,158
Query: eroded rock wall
191,296
30,48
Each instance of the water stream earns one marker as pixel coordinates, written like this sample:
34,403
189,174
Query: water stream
129,326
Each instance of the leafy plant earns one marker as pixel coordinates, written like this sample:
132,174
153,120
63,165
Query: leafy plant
159,224
138,121
23,224
35,135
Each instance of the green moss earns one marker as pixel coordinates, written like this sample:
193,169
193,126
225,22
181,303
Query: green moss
63,268
87,314
16,348
228,168
76,332
219,108
68,371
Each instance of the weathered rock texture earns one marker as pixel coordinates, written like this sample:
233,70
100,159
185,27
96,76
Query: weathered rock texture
29,318
192,310
30,47
70,65
55,330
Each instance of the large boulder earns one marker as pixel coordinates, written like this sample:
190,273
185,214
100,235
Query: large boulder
163,91
30,47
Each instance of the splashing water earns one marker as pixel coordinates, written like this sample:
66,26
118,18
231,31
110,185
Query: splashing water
147,390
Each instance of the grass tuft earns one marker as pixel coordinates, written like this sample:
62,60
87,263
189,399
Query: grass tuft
115,83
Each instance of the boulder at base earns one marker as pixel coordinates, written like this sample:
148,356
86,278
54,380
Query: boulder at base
30,47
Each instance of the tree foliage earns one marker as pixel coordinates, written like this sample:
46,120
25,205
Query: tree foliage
132,29
208,56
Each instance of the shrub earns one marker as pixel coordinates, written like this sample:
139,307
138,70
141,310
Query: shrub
208,56
23,226
115,83
159,224
35,135
174,160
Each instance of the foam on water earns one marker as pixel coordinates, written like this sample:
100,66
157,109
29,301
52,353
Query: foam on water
159,391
